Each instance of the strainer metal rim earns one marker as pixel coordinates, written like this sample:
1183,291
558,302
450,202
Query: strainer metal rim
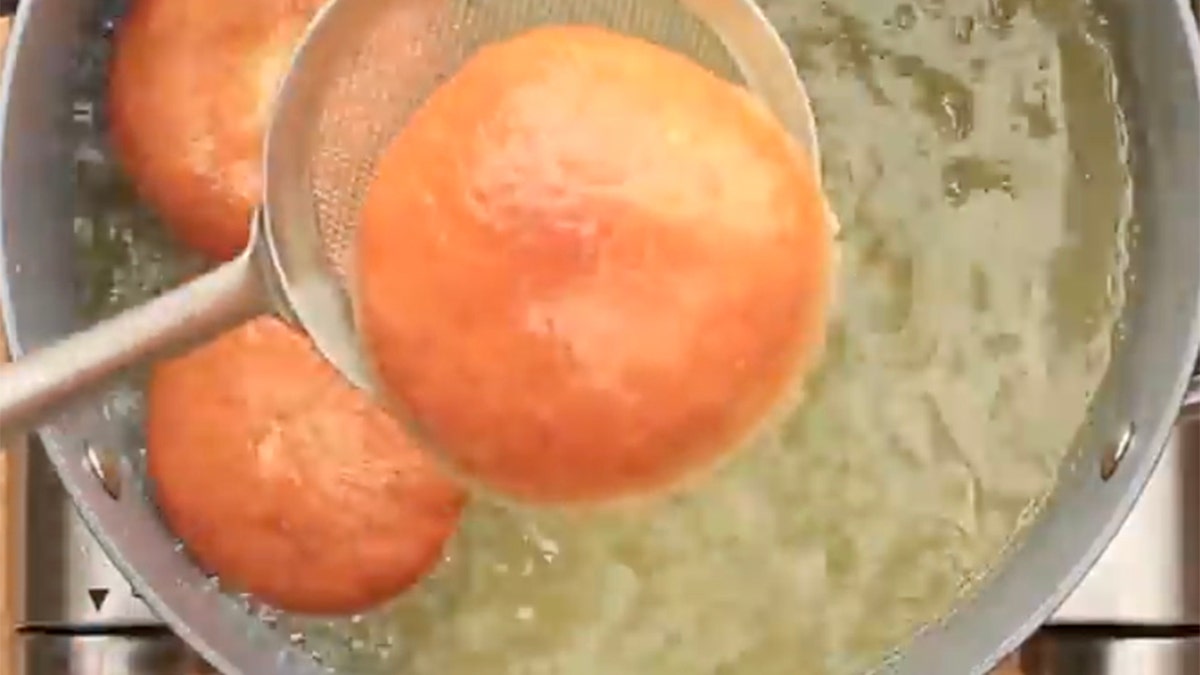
305,287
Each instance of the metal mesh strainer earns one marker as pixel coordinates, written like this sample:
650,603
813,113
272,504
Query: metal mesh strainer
363,67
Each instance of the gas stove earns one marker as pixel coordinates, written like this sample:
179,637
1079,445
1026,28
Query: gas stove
1136,613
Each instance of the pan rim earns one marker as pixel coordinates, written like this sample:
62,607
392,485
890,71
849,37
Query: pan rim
1151,446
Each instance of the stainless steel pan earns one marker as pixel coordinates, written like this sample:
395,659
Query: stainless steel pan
1132,415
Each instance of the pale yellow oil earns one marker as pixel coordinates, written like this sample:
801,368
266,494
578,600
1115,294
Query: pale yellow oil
975,154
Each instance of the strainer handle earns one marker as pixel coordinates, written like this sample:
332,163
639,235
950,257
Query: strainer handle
35,386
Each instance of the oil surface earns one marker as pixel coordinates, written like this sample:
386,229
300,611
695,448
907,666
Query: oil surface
976,157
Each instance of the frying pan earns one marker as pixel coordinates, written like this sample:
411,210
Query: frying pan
1130,419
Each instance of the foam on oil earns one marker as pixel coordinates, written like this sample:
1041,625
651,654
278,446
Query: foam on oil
975,155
